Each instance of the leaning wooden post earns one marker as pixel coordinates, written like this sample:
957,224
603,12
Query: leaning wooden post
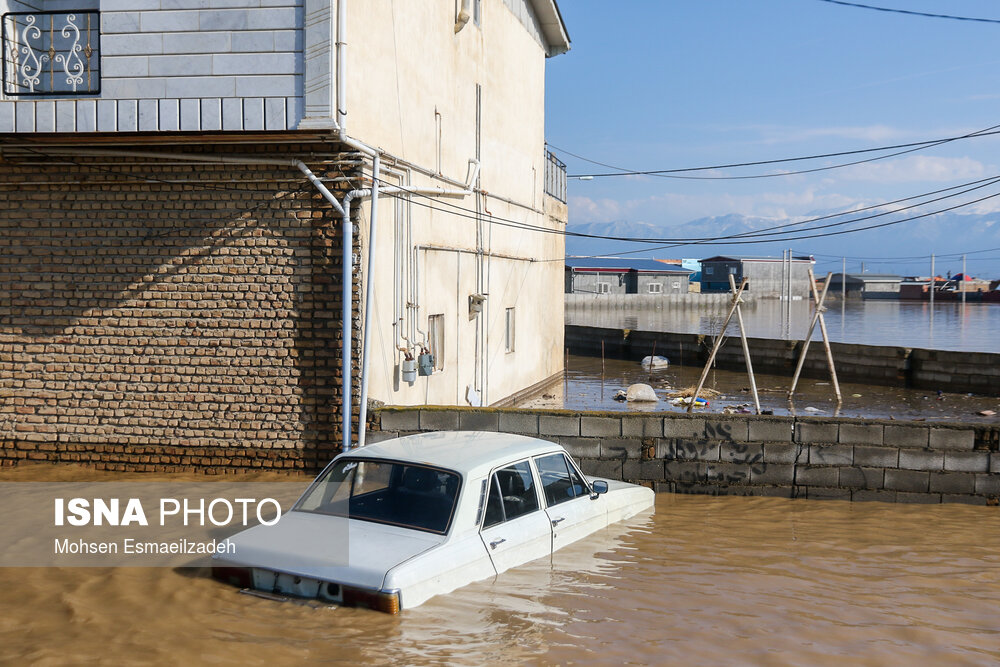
746,346
812,327
718,343
826,338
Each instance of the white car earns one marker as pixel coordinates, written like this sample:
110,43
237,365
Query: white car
393,524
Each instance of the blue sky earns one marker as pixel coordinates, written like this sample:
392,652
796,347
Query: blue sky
656,84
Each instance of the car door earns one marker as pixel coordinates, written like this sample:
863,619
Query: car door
571,510
515,529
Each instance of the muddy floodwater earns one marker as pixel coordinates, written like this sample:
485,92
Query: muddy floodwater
591,384
702,580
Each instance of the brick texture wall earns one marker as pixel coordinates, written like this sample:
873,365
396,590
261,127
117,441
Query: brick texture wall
158,315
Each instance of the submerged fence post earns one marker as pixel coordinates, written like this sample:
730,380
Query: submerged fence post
817,317
718,343
746,346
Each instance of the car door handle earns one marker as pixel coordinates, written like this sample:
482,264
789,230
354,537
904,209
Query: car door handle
495,543
555,522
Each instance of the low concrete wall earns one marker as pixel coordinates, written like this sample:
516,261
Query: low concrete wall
962,372
828,458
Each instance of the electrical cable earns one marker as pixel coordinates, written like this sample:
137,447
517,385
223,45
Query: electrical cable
910,12
468,213
671,173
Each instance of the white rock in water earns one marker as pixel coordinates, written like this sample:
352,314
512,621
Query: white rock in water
641,392
655,362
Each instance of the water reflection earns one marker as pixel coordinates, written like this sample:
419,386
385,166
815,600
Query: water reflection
967,327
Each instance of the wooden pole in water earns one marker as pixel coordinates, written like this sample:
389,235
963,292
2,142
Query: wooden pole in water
651,358
933,285
822,328
962,286
805,343
718,343
746,347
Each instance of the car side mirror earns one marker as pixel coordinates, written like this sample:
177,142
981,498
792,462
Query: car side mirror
599,487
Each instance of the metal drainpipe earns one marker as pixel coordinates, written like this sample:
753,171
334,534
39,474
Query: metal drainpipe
347,260
369,291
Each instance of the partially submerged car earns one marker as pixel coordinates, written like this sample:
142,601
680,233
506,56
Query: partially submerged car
390,525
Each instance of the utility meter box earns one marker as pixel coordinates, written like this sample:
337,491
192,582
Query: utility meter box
409,370
425,364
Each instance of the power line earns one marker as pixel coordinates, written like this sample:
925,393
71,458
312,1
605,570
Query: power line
672,173
672,243
911,13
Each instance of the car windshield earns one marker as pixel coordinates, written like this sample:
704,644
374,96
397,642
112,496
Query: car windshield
400,494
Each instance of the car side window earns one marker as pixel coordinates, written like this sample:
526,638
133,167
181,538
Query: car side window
512,494
560,481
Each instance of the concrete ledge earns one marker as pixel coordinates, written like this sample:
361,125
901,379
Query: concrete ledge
814,457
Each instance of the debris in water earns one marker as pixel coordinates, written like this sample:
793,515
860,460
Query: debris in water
698,402
812,409
986,413
855,395
621,395
689,391
651,363
641,393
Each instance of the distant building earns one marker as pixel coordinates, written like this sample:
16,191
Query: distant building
625,276
866,285
765,275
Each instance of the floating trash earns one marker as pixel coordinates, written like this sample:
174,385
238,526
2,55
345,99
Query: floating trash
651,363
641,393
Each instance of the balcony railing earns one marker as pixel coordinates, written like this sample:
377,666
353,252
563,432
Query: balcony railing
51,53
555,177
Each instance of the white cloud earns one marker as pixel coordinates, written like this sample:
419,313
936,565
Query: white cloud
918,168
677,208
585,209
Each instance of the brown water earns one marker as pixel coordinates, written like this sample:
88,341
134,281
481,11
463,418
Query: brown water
702,581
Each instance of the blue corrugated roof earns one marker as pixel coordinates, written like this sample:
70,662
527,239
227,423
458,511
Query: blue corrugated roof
624,264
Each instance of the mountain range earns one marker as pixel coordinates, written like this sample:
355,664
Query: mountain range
903,249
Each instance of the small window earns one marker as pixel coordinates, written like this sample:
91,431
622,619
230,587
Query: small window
732,270
603,288
675,285
560,480
512,494
435,339
655,288
709,270
508,335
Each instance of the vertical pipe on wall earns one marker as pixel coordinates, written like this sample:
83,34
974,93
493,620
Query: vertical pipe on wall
369,295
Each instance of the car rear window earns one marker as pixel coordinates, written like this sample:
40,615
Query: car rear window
399,494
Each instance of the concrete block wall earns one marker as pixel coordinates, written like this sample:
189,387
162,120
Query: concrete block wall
157,315
961,372
819,458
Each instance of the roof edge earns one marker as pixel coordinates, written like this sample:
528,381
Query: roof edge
552,24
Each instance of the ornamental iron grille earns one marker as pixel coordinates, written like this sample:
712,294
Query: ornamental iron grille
52,53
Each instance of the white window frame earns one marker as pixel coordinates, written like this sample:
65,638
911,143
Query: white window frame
603,288
435,339
508,330
655,288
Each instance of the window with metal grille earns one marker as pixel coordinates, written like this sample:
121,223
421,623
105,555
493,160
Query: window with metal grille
52,53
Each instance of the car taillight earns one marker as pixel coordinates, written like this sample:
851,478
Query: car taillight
236,576
377,600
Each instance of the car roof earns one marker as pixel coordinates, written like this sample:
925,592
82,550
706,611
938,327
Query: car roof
470,453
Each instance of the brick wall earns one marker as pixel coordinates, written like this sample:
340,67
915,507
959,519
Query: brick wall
157,315
832,458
